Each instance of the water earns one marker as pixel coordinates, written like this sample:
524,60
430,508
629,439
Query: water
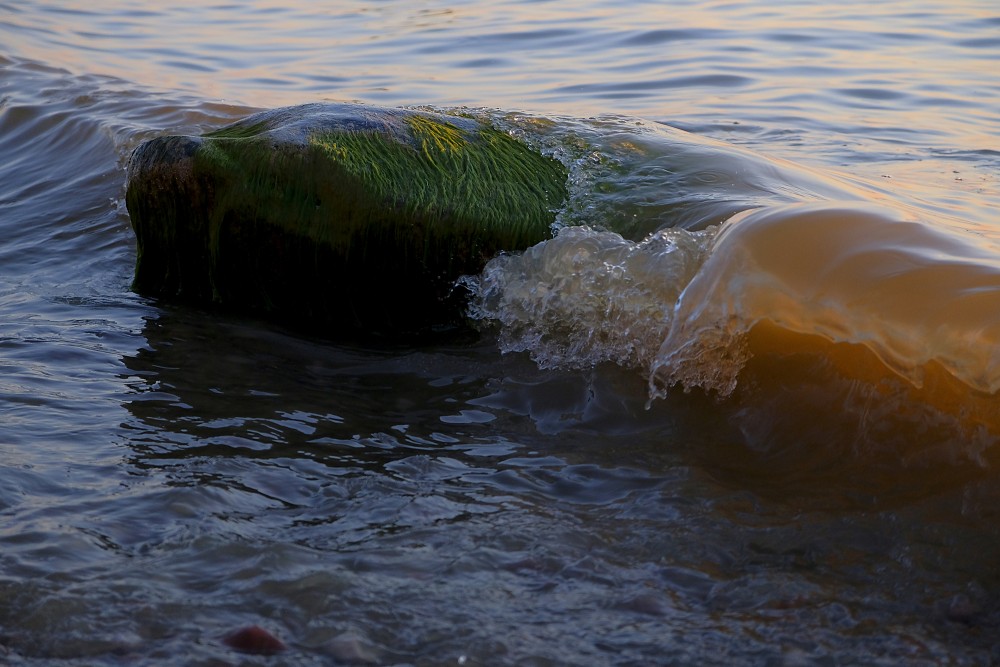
677,440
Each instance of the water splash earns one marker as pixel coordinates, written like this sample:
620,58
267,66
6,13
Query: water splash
588,296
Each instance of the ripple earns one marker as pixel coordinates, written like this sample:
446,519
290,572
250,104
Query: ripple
875,94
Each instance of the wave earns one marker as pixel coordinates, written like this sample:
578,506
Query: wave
915,296
890,321
800,283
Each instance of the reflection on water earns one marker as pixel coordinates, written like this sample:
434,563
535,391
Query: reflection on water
448,481
389,521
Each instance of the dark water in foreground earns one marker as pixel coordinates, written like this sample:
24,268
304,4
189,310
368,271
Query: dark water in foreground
771,441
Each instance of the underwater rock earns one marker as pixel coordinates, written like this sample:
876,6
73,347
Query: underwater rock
255,640
341,217
351,648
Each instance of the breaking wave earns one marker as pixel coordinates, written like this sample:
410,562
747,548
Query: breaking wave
788,288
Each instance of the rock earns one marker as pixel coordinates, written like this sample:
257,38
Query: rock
352,649
962,609
254,639
343,217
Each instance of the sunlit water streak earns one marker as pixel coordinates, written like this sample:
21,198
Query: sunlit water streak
168,474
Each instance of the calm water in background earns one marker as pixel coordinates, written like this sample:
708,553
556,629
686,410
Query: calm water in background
168,475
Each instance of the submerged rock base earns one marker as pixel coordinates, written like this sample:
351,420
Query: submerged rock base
343,217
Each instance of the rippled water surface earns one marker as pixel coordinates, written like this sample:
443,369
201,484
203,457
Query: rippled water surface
741,410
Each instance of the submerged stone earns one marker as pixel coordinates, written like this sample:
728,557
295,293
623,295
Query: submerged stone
254,639
345,217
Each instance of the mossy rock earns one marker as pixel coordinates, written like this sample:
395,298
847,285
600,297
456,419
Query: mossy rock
344,217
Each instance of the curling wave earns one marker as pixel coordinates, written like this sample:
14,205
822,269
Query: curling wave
781,293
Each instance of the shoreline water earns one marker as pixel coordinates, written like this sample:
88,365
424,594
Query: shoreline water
170,475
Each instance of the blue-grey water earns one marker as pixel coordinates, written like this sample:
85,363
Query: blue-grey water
774,445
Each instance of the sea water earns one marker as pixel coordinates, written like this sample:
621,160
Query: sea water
741,409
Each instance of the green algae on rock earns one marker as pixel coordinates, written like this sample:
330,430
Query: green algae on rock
344,217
